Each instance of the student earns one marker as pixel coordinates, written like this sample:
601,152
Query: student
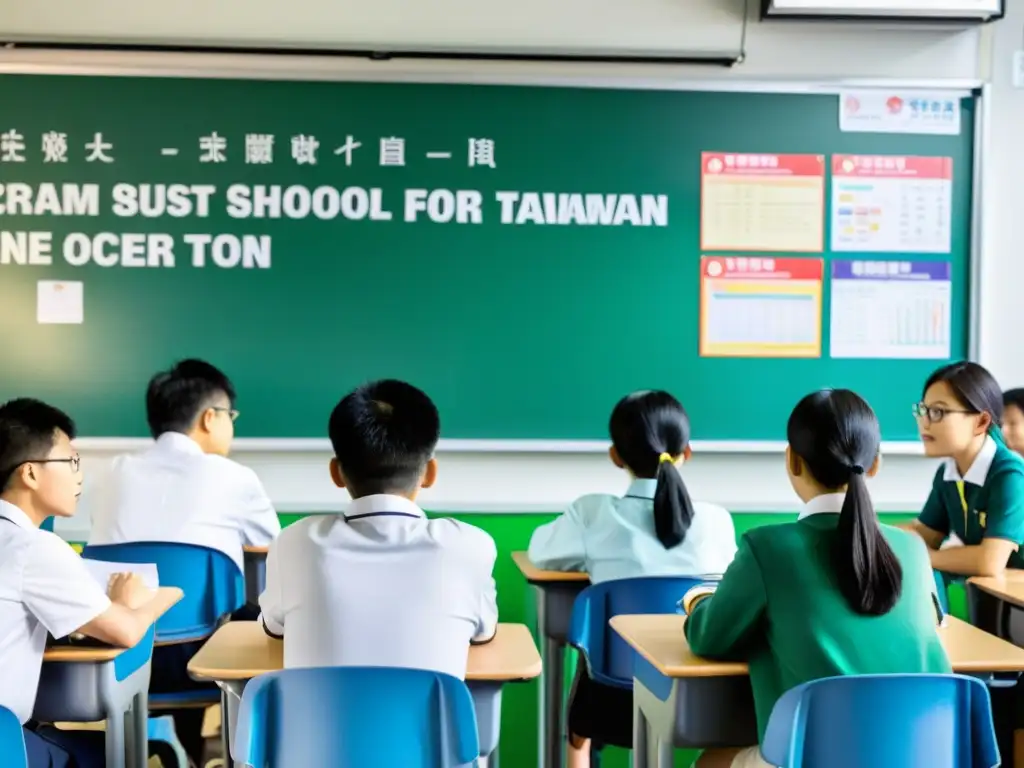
978,491
832,594
1013,419
44,585
654,530
185,490
381,584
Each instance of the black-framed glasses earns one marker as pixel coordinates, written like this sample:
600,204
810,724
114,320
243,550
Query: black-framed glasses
74,461
935,413
231,412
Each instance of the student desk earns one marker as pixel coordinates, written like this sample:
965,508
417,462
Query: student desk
241,650
255,559
683,700
556,593
82,684
997,604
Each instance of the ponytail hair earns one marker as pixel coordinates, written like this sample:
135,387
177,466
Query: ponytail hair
835,434
649,431
673,508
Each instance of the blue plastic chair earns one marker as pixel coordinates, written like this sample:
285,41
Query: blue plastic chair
609,658
884,721
213,586
12,740
353,717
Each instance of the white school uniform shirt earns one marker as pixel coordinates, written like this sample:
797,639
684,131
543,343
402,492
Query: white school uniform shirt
44,587
174,492
380,586
611,537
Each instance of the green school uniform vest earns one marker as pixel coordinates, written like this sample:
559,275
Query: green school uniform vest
778,607
973,512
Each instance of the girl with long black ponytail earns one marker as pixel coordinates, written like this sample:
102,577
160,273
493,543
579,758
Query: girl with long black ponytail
655,529
834,593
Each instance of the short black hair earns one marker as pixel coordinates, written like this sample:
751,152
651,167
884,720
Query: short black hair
175,398
28,429
1014,397
384,433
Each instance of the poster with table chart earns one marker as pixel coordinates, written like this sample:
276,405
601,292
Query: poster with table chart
891,309
760,307
892,204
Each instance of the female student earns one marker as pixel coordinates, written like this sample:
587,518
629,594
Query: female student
832,594
654,530
978,491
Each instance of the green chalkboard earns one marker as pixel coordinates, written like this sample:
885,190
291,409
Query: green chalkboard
517,330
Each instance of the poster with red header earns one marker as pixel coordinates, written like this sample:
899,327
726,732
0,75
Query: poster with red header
762,202
753,306
892,204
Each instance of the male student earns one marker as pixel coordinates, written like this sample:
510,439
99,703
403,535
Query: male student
185,490
381,585
44,585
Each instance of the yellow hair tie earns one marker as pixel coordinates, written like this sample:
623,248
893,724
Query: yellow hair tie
666,457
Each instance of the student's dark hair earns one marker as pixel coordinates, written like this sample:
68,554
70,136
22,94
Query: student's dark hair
835,434
645,426
1014,397
975,388
384,434
28,429
175,398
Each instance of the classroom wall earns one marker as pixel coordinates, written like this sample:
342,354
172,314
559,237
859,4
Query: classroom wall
531,481
745,482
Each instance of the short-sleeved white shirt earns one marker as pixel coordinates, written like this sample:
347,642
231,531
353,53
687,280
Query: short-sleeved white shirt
44,587
173,492
380,586
613,537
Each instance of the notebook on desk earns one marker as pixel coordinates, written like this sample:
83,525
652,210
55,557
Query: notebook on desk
101,571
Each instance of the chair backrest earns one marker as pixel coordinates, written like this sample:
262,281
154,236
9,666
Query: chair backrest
12,740
353,717
212,583
885,721
47,524
609,658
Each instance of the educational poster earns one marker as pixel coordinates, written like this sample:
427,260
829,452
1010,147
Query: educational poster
885,111
891,309
760,307
892,204
757,202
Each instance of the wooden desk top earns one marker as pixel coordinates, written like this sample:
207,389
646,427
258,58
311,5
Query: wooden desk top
241,650
661,641
165,597
1008,587
535,574
248,549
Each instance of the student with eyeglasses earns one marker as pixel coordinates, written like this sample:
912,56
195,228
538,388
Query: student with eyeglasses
184,490
44,586
978,491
